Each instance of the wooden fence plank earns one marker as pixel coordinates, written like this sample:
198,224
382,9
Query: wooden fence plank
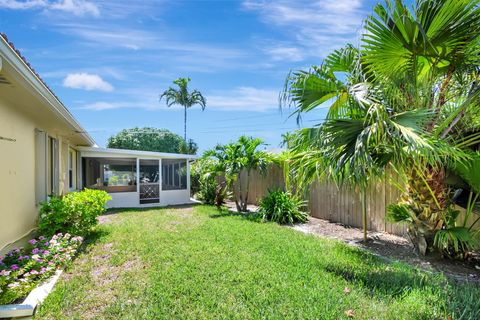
327,201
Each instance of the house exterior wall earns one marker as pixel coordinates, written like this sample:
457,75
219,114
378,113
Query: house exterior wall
18,211
19,174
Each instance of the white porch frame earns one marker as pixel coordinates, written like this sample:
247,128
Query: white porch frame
132,199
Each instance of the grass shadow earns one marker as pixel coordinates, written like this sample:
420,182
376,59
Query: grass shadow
91,240
111,211
224,212
378,275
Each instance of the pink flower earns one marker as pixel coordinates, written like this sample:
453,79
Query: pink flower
33,241
5,273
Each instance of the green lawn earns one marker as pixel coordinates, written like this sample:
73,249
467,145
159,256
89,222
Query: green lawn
202,264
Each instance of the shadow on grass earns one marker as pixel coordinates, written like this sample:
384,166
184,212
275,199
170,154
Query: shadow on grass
91,239
378,275
141,209
224,212
391,280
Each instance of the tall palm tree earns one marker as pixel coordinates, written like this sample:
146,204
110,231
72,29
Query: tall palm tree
400,101
184,98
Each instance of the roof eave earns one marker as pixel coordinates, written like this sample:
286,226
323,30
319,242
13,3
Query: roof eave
13,57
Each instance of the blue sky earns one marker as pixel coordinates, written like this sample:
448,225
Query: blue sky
109,60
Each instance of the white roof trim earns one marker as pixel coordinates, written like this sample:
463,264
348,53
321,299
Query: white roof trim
8,54
123,153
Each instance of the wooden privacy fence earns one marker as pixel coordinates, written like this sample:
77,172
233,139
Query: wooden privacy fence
327,201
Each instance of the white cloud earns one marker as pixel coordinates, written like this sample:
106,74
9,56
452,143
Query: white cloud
99,106
22,5
244,99
280,53
87,81
76,7
237,99
316,27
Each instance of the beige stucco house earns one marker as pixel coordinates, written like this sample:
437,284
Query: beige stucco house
45,151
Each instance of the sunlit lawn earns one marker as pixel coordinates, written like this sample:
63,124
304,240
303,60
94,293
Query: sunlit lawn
198,263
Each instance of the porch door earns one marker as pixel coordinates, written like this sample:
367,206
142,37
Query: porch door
149,181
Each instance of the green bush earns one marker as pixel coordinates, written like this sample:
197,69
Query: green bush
208,190
76,213
281,207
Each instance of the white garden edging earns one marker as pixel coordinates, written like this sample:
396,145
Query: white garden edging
35,297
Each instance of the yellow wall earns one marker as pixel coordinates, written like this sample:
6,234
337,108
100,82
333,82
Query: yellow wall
18,210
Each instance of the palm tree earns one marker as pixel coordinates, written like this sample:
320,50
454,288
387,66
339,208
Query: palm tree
184,98
235,158
400,102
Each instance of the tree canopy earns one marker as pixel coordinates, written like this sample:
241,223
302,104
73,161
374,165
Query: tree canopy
151,139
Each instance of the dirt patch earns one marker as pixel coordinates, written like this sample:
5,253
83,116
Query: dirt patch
103,219
181,220
392,247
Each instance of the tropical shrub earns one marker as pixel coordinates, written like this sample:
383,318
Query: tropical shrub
75,213
234,158
23,269
208,190
395,103
281,207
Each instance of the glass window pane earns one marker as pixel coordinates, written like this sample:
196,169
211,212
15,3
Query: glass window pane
119,175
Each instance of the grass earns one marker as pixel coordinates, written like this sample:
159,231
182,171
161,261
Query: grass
198,263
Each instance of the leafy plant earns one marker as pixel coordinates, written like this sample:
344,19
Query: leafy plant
208,190
281,207
75,213
395,101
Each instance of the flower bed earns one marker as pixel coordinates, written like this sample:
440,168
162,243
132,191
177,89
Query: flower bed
22,269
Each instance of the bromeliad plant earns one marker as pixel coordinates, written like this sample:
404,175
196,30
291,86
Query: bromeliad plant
282,207
23,269
402,100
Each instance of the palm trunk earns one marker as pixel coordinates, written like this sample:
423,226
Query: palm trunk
185,125
363,195
246,193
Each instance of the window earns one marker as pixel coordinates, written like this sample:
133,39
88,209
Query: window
71,169
174,174
119,174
